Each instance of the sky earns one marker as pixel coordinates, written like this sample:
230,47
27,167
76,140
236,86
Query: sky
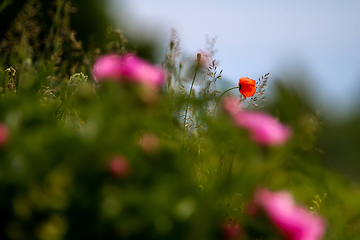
316,40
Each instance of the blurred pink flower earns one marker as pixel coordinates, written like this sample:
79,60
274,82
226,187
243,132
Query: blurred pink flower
119,166
293,221
138,70
231,230
108,66
4,134
231,106
264,128
128,68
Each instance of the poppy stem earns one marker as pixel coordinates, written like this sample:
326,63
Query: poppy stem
222,95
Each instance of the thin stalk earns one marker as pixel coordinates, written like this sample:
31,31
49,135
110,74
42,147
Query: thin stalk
222,95
187,104
55,24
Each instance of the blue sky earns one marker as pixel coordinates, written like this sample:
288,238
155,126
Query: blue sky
318,40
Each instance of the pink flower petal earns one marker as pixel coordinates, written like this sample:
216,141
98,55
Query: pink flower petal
108,66
293,221
137,70
264,129
128,68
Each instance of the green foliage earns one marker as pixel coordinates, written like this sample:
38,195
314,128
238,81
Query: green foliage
190,169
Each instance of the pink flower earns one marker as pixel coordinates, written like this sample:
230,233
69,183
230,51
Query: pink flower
4,134
264,128
293,221
129,68
231,230
138,70
108,66
119,166
231,106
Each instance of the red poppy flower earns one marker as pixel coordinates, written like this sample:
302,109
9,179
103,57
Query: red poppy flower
247,87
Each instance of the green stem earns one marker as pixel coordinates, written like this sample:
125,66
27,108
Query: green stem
187,104
221,96
55,24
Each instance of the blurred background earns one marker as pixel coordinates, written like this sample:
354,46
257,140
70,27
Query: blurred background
318,41
311,48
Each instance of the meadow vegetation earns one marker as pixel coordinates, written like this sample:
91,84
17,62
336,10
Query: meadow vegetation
98,143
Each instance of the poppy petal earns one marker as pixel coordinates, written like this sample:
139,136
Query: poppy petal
247,87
